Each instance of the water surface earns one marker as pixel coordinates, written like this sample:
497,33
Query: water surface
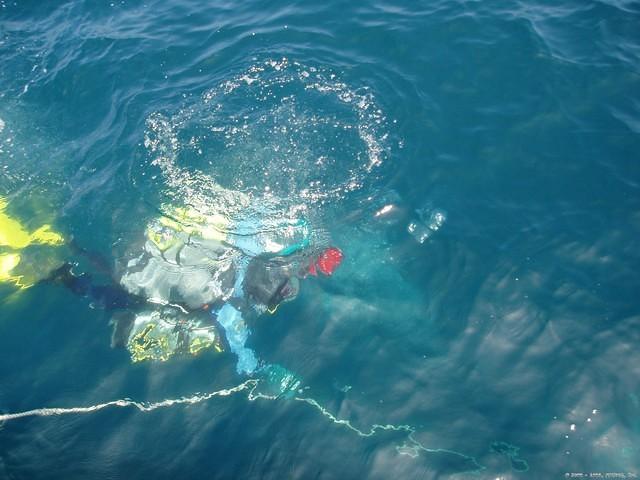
477,162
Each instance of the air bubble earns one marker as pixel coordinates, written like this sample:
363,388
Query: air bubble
314,138
427,225
419,231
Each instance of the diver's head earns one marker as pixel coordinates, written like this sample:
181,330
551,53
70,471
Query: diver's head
327,262
286,291
270,281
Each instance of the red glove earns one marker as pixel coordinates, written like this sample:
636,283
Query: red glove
327,262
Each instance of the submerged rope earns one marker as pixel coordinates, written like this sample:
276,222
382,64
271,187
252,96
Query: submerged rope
411,447
127,402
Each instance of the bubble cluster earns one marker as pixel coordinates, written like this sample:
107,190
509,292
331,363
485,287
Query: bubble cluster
428,223
276,130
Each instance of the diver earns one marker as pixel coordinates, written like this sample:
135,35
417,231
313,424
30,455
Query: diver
234,267
261,287
194,271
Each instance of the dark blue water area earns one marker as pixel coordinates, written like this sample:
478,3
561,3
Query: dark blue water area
477,163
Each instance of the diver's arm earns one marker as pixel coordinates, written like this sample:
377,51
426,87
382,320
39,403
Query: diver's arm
237,333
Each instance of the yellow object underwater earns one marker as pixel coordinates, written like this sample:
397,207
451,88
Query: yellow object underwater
15,237
8,262
156,338
165,232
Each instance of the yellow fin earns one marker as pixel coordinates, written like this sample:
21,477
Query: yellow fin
8,261
45,236
12,234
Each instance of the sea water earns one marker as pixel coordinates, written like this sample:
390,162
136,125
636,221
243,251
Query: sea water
476,162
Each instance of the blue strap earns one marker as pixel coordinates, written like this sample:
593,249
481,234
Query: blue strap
237,332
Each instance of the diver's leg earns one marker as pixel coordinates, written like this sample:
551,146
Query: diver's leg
106,296
97,261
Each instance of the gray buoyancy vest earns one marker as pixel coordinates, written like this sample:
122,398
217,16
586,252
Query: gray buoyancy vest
194,274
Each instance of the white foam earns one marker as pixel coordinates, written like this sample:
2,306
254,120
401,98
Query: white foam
295,132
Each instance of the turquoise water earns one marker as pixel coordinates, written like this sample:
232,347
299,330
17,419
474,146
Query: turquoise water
476,162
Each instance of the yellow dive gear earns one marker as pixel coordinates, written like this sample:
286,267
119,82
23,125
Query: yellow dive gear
8,262
166,231
14,238
159,335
